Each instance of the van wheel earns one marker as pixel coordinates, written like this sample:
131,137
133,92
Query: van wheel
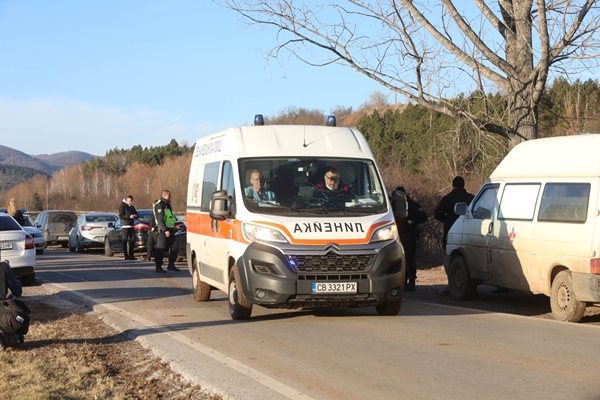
107,250
201,289
239,308
564,304
389,308
460,284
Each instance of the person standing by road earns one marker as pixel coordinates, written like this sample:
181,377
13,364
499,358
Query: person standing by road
127,214
409,234
444,212
13,211
165,237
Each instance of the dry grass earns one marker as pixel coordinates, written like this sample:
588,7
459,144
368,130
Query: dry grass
77,356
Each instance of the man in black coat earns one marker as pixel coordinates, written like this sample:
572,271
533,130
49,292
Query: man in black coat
444,212
410,233
127,214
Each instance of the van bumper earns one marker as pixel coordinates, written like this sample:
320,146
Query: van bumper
587,286
270,279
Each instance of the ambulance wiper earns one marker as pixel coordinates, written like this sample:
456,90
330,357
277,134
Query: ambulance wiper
312,210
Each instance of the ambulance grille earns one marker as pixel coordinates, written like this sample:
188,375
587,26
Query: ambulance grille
332,263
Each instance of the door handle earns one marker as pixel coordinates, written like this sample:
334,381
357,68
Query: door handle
490,227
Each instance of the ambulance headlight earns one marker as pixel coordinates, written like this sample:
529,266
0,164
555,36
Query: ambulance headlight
387,232
259,233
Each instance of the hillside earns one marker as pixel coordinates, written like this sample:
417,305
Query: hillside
11,175
18,166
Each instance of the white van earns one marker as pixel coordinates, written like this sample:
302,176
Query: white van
535,226
296,247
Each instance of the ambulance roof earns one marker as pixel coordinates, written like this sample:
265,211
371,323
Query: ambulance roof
562,156
285,140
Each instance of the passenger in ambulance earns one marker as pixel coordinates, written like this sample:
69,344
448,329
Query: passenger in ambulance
256,191
284,187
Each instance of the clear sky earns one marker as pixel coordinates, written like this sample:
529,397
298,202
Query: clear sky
93,75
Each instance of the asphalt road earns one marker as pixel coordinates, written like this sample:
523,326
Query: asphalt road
429,351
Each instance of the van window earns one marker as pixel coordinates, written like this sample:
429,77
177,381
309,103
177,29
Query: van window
564,202
228,183
518,201
209,184
486,203
297,186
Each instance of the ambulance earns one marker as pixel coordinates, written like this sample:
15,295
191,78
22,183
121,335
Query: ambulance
293,243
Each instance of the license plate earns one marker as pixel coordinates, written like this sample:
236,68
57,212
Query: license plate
6,246
334,287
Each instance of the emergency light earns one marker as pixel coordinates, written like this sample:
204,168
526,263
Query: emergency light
331,120
259,120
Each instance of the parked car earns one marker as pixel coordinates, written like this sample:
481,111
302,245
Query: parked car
56,225
90,231
35,232
18,248
142,225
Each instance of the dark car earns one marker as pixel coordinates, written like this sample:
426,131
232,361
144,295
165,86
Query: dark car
55,225
142,225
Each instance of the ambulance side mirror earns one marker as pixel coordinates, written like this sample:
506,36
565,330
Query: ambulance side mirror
399,204
219,205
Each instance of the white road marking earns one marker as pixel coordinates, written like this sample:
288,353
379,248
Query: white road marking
265,380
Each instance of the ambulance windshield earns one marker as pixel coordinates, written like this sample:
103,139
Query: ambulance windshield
309,186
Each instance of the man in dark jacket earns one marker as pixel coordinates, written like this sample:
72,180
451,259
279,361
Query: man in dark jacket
409,234
444,212
165,232
127,214
8,281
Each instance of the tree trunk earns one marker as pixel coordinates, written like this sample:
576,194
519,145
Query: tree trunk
522,117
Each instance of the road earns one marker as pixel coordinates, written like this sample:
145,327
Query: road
429,351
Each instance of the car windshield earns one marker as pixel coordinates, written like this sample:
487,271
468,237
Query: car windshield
62,217
311,186
145,216
28,220
9,224
101,218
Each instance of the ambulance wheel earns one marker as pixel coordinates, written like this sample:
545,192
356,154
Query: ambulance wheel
107,250
563,302
460,284
390,308
201,289
239,309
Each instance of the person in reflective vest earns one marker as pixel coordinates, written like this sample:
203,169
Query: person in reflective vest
165,234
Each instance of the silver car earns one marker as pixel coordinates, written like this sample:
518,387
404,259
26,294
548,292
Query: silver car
90,231
17,247
36,234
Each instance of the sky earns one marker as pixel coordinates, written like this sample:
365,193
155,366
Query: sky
95,75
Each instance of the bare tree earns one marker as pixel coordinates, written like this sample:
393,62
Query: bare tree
430,51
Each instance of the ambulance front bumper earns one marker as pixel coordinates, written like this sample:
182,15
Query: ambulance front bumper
309,276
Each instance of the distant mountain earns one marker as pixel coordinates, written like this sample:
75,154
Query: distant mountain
64,158
17,167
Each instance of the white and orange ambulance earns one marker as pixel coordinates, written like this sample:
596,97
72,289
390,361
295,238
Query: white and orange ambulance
296,241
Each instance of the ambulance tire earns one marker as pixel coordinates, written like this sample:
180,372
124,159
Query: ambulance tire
239,309
460,284
201,289
563,301
389,308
